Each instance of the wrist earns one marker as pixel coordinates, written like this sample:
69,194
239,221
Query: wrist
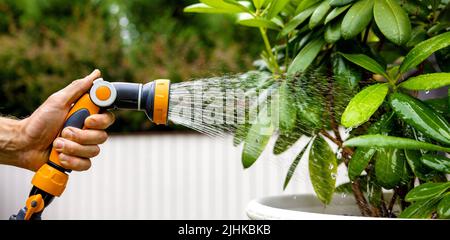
10,141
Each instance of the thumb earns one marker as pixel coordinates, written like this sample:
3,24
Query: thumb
78,87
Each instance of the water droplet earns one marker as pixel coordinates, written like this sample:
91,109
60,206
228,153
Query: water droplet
348,130
339,153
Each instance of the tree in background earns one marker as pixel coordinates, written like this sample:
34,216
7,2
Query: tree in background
46,44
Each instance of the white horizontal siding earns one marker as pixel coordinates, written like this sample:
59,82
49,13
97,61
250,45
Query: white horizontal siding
161,176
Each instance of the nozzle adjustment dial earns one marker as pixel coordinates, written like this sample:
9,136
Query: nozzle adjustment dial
103,93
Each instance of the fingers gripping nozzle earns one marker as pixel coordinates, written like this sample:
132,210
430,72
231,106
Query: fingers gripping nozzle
51,179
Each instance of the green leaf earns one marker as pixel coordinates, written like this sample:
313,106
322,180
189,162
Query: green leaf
364,105
440,105
257,138
366,62
258,3
418,34
297,20
322,169
436,162
427,81
381,141
248,20
426,191
306,56
287,112
357,18
241,133
335,13
333,32
285,141
359,161
294,165
220,4
392,21
389,167
275,7
362,156
319,14
305,4
339,3
374,190
423,50
347,77
203,8
419,169
420,209
421,117
345,188
443,208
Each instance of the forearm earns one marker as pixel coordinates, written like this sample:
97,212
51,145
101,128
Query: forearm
9,141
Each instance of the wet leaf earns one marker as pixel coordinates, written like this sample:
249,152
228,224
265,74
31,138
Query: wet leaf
419,169
437,162
357,18
305,4
423,50
287,111
323,169
297,20
427,191
335,13
427,81
392,21
443,208
381,141
240,133
390,164
421,209
359,161
275,7
366,62
346,78
306,56
285,141
294,165
364,105
418,34
257,138
319,14
338,3
421,117
333,32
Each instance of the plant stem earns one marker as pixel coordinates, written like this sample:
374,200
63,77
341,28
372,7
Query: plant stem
272,58
360,199
391,203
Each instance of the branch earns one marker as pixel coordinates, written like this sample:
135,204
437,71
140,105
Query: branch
391,204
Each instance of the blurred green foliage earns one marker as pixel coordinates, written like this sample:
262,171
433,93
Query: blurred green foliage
45,44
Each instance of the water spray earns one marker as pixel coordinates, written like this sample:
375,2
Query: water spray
51,179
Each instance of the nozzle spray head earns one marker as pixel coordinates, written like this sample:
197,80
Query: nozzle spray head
156,100
152,98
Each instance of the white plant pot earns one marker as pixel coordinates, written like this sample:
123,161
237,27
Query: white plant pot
303,206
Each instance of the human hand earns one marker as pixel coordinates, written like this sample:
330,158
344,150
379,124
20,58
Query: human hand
75,146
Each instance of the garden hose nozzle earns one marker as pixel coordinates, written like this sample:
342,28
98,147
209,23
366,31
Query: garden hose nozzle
51,179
